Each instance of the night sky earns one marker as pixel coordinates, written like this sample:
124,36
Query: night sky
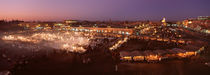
57,10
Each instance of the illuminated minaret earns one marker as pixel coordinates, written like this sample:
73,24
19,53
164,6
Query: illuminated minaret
164,21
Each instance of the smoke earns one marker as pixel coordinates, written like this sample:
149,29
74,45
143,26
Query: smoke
69,41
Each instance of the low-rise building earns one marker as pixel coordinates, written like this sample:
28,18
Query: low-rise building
201,21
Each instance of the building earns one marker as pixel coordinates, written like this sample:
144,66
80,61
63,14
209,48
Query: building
201,21
164,21
122,31
36,25
70,22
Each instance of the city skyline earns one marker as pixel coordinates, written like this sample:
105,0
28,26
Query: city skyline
103,10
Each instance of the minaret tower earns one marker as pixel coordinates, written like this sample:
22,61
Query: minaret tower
164,21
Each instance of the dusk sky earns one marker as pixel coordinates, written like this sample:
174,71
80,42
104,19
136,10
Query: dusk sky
57,10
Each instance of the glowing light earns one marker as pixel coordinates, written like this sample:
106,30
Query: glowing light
189,22
70,41
118,44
